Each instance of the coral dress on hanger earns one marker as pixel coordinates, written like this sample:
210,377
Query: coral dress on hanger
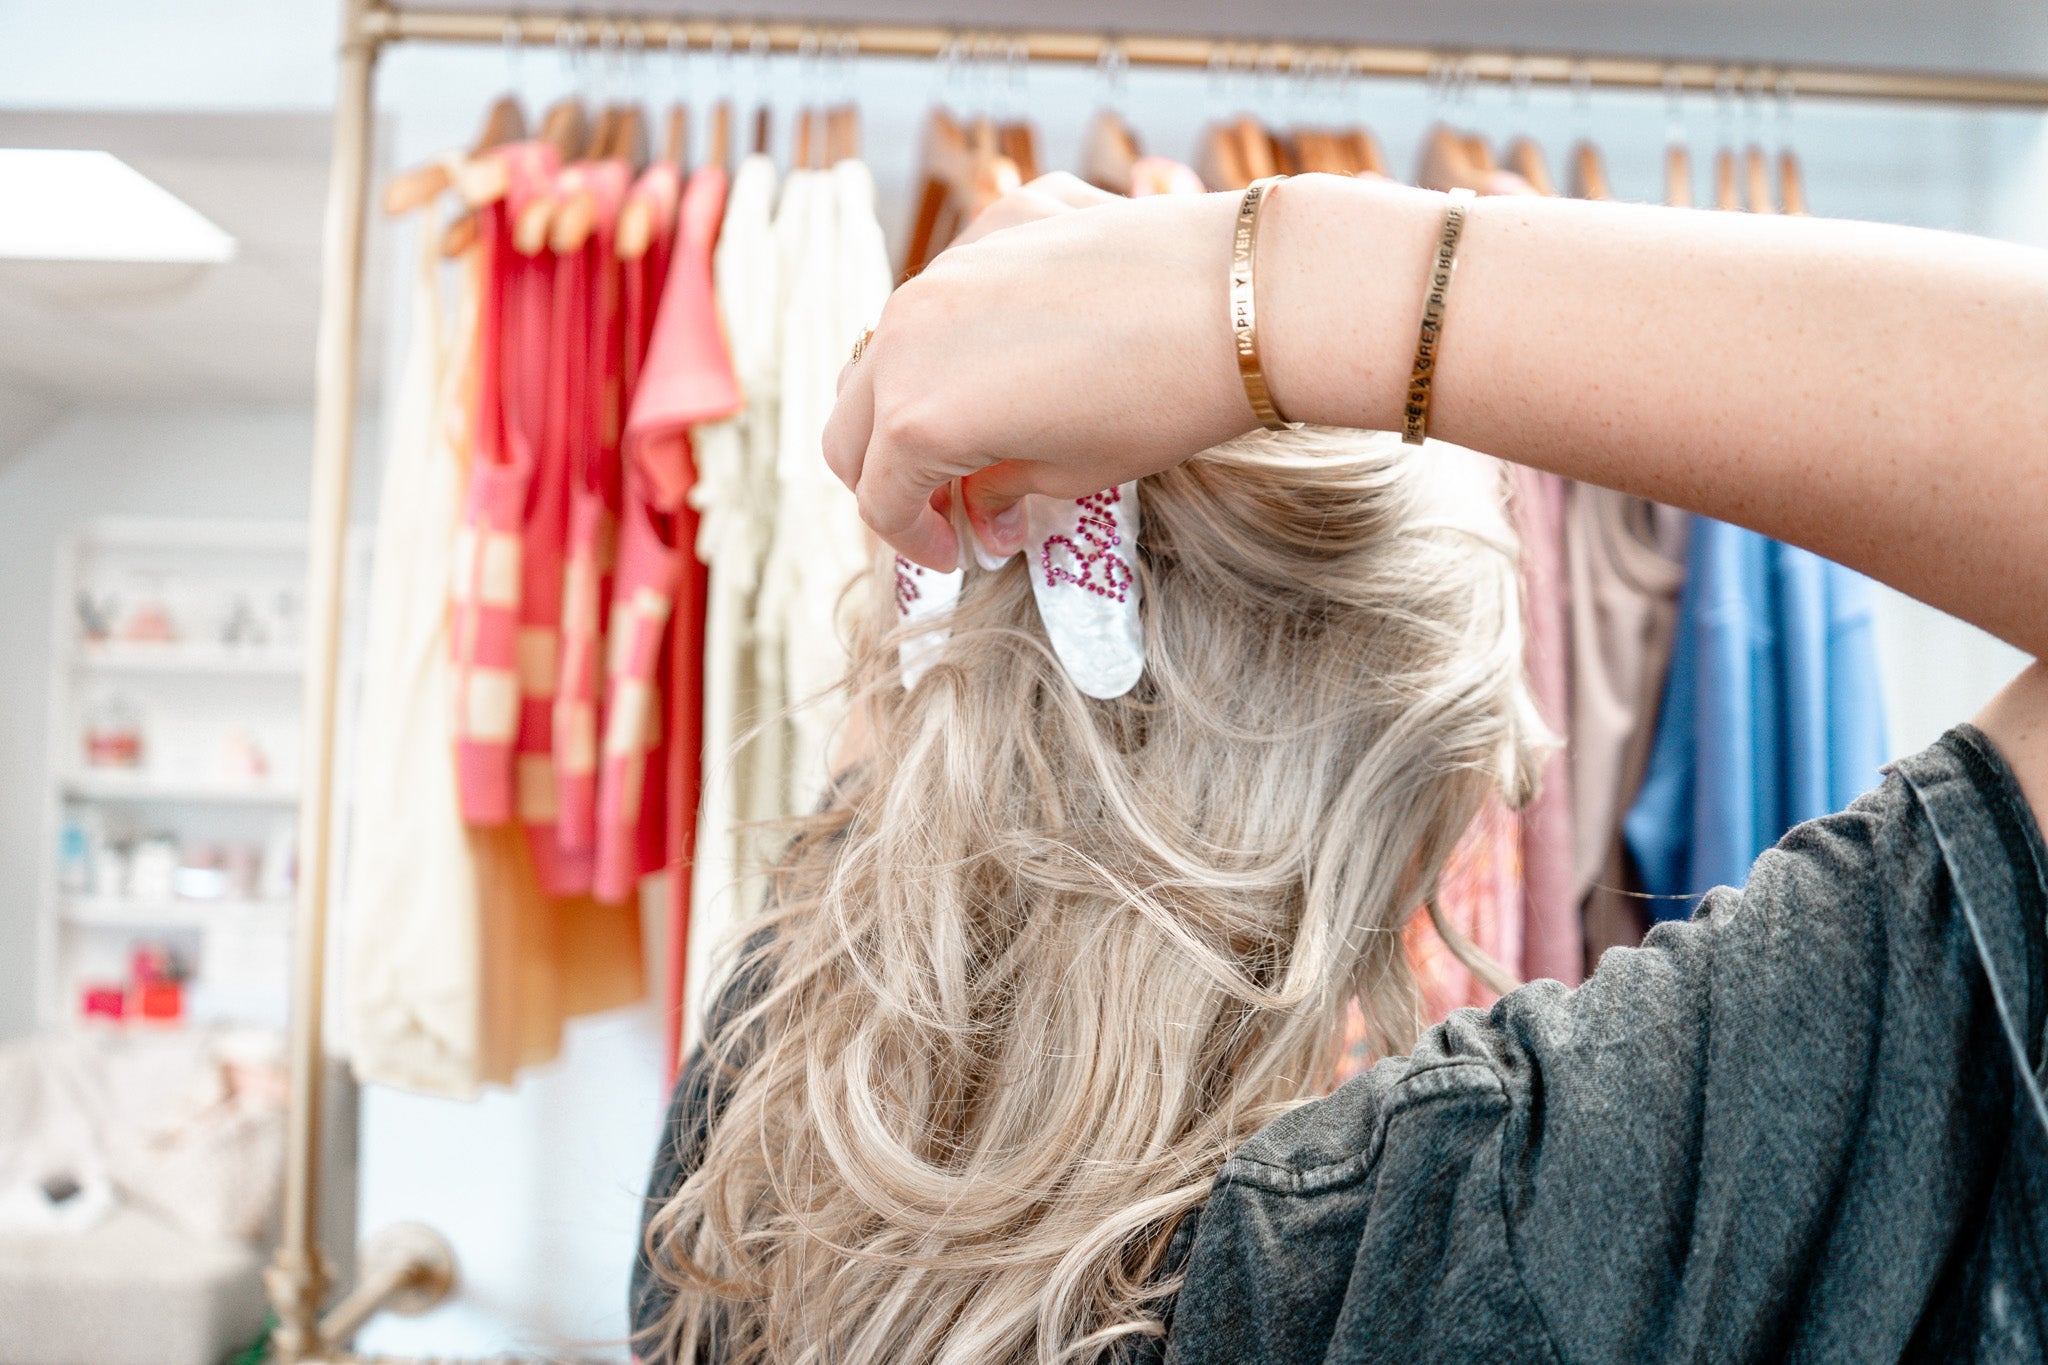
594,402
489,573
662,587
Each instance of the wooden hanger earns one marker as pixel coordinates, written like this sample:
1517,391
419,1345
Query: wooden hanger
566,129
1311,150
629,138
1678,176
945,151
721,135
637,216
408,190
1447,162
1758,166
483,179
1480,154
1019,142
1791,183
963,173
1255,149
806,136
761,131
1366,155
1726,197
1108,153
675,136
1223,165
1525,159
1589,172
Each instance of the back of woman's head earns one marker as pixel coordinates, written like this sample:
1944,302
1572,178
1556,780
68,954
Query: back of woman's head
1044,961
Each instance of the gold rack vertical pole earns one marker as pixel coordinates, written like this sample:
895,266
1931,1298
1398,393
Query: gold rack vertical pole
298,1278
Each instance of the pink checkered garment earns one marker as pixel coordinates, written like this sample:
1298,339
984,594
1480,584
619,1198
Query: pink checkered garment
647,807
592,545
490,571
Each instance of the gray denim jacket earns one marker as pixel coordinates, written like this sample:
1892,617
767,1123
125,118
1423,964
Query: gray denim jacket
1788,1129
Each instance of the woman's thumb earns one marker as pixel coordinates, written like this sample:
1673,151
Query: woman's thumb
994,500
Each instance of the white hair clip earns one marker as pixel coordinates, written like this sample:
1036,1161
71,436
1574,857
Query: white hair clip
923,593
1084,573
1082,555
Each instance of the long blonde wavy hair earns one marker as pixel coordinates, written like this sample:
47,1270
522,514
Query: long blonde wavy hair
1043,962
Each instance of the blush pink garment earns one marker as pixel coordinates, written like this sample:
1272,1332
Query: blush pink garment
1480,895
594,498
1162,175
660,187
631,812
489,574
1554,942
658,615
566,413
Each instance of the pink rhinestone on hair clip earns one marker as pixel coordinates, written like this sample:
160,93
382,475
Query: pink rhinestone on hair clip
1084,555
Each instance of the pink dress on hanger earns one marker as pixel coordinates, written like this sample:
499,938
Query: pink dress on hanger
1554,940
660,187
489,576
659,610
594,402
631,811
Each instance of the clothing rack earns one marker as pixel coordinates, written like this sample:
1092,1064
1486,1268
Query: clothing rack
411,1268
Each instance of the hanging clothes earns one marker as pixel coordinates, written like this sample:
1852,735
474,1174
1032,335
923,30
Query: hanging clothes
688,380
1771,715
835,277
459,969
632,789
1480,896
490,572
1625,561
1553,943
660,187
594,400
414,975
734,497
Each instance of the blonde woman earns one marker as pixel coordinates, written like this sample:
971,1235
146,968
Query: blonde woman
1000,1112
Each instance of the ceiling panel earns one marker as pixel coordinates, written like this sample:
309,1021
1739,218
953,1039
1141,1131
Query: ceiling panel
75,334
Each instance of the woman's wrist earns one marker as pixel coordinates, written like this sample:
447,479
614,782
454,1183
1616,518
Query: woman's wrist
1343,265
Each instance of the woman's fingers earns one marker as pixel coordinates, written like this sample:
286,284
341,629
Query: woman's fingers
993,497
851,425
909,519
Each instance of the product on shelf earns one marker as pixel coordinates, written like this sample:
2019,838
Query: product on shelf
113,733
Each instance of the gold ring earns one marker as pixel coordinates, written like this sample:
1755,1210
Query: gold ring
860,347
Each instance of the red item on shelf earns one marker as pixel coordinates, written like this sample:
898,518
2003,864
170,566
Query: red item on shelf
152,963
160,1001
104,1002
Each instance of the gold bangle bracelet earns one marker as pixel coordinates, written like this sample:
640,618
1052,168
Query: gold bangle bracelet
1244,329
1422,379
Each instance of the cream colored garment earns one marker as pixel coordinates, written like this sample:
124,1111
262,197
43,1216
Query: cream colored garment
836,275
1623,598
414,984
735,496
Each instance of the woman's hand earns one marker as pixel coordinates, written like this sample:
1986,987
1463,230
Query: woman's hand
1072,341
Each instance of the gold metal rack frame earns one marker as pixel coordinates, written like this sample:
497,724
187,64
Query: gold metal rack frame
410,1268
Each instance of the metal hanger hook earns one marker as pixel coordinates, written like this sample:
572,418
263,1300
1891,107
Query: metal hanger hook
515,51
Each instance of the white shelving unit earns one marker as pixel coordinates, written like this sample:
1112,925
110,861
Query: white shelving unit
186,634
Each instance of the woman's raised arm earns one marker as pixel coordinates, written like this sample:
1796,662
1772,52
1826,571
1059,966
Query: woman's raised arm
1878,395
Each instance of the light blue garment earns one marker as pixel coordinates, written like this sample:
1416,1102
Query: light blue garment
1772,712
